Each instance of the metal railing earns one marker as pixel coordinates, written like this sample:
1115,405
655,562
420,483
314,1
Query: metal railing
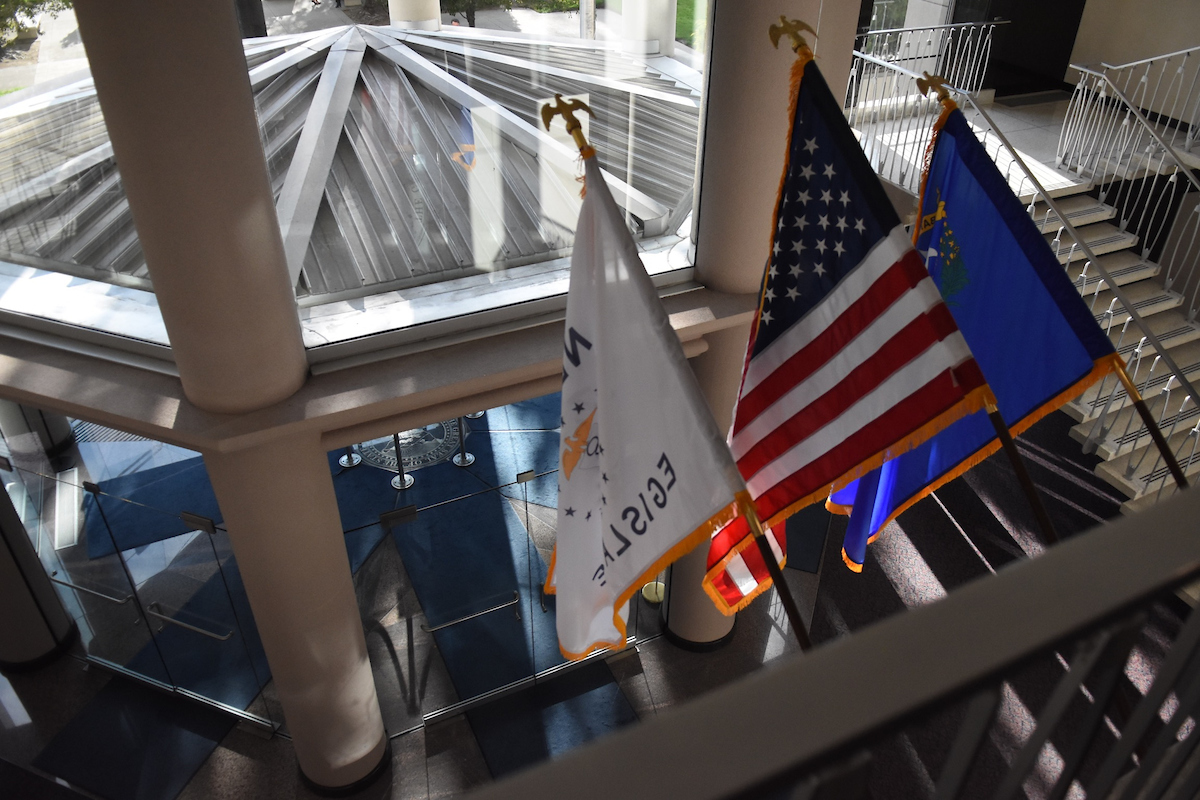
1084,615
1166,89
893,119
958,52
1135,168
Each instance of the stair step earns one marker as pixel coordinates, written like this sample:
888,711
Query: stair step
1171,327
1123,266
1057,184
1147,298
1149,474
1123,430
1088,405
1079,210
1101,237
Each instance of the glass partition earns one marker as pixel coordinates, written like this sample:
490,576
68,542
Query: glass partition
152,596
451,585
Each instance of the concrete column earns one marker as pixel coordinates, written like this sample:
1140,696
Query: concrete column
279,507
172,83
34,627
690,614
420,15
745,130
644,20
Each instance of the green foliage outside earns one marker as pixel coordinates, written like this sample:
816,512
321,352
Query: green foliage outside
546,6
690,19
9,9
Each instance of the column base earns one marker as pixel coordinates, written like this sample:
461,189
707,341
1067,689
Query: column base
385,761
699,647
60,647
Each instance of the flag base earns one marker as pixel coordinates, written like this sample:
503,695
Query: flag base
654,592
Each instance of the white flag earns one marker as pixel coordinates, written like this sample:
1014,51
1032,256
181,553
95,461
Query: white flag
645,473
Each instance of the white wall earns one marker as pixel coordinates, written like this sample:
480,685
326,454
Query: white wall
1120,31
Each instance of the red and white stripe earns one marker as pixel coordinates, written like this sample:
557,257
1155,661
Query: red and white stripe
879,358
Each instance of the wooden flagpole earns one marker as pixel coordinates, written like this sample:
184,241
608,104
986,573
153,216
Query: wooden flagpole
1159,441
781,587
1031,492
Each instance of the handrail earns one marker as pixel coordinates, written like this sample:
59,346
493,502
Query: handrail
893,66
109,598
939,27
1152,59
151,610
778,724
1131,107
516,599
1112,286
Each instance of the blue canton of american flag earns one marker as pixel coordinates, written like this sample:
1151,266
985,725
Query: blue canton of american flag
823,229
854,357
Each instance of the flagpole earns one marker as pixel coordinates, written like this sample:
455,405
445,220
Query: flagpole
1031,492
785,592
1155,433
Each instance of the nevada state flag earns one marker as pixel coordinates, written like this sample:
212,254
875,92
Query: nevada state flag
645,473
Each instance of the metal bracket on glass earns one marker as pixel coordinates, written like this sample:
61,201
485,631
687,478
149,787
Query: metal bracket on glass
91,488
198,523
516,599
526,476
5,465
152,610
109,598
400,516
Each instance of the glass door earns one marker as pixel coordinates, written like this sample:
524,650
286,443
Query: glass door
183,571
73,545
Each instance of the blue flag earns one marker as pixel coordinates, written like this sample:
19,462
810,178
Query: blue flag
1033,337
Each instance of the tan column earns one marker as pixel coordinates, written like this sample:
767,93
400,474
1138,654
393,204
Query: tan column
690,614
745,129
281,513
172,82
421,15
33,625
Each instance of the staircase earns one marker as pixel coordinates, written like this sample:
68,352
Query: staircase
1129,149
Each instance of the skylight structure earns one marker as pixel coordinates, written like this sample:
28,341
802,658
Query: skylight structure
409,167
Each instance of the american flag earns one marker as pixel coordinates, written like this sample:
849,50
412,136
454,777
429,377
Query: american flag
853,358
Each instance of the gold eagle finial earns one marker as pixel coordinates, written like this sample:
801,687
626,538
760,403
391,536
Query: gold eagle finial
935,83
567,109
792,29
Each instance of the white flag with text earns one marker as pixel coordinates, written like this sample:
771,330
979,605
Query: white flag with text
645,474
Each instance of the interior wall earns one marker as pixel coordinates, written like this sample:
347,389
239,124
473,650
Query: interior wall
1120,31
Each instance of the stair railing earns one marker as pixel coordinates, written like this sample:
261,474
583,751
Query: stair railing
894,119
1108,139
1083,612
1166,89
959,52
